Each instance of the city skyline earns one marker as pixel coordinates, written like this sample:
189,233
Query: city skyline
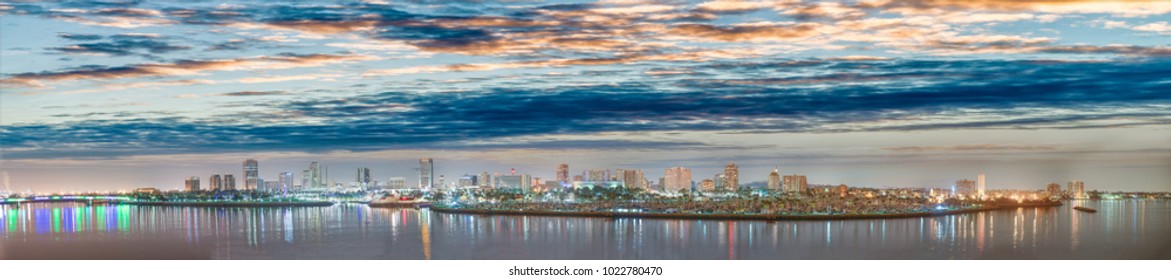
100,96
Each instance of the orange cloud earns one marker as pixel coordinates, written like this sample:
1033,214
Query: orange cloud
186,67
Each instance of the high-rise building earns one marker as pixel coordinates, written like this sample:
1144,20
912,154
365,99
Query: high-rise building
598,175
305,178
192,184
794,184
563,174
229,182
720,181
426,173
363,176
523,182
485,180
707,185
732,176
676,179
397,183
1054,189
980,185
1077,189
634,178
965,187
285,182
315,175
774,180
215,182
467,180
251,174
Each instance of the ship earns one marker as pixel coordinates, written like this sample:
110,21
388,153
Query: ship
1085,209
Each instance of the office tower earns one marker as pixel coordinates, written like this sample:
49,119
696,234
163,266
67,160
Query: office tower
677,178
468,180
251,174
563,173
794,184
980,185
363,176
229,182
192,184
426,171
397,183
774,180
314,175
485,180
1053,189
634,179
305,178
732,176
215,183
720,181
1077,189
965,187
285,182
524,182
259,183
599,175
707,185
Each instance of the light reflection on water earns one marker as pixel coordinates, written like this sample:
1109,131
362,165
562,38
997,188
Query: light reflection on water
1127,229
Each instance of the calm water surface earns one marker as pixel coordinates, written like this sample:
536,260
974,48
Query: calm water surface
1123,229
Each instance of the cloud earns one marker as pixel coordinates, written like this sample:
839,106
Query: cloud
80,37
731,6
183,67
972,148
124,45
253,93
1158,27
746,32
912,95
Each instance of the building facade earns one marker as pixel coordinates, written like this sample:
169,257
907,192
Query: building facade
794,184
229,182
251,174
191,184
215,182
426,173
774,180
563,173
732,176
677,179
1077,189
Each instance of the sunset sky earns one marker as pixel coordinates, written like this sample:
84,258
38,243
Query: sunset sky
916,93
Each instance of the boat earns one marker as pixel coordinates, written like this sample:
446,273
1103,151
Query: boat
1085,209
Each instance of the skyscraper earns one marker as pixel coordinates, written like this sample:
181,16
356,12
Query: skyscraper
314,175
192,184
980,185
965,187
485,180
563,174
633,178
774,180
285,181
251,173
426,173
229,182
215,182
1077,189
363,177
732,176
677,178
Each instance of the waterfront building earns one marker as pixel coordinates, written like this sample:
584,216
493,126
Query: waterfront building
720,181
598,184
1077,189
251,174
229,182
794,184
467,180
732,176
634,179
965,187
980,185
315,175
215,182
192,184
426,173
676,179
485,180
523,182
774,180
563,173
1053,189
397,183
285,182
707,185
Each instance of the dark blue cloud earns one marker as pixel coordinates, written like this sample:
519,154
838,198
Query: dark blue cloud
1008,94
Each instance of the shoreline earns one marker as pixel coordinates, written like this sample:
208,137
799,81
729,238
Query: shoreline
231,204
399,204
758,217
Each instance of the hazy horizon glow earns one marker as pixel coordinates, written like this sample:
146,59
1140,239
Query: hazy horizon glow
872,93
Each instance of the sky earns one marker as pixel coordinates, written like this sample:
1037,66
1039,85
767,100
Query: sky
115,95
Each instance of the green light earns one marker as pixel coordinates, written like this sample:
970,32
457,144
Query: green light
55,197
56,219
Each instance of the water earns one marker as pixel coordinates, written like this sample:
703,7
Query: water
1123,229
